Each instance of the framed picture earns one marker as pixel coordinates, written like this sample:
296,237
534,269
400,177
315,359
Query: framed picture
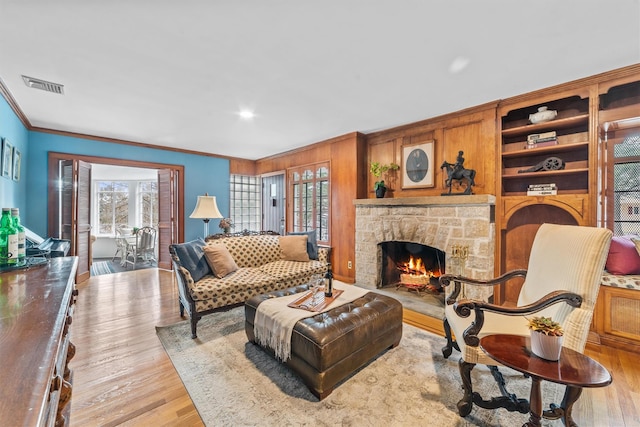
418,165
7,158
17,160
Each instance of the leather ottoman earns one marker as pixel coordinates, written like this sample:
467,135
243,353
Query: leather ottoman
330,346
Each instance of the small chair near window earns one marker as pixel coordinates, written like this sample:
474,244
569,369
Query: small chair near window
121,244
144,248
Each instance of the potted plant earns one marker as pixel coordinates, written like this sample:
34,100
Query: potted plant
377,169
546,337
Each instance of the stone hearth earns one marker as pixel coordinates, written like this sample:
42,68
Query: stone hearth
446,223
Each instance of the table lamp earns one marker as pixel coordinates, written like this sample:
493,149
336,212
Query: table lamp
206,208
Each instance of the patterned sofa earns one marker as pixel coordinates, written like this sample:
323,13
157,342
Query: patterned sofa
262,267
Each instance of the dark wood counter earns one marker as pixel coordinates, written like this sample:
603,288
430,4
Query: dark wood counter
36,307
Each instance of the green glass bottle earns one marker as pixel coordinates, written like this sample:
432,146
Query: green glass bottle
8,240
22,249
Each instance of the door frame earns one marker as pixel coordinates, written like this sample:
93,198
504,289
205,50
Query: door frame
52,204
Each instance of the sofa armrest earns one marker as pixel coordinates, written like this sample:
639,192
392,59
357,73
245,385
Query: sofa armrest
324,253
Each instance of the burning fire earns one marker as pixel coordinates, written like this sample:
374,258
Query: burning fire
415,267
414,275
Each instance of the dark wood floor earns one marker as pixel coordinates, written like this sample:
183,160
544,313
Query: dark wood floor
122,375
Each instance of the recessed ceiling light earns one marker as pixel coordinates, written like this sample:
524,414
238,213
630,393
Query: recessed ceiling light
459,64
246,114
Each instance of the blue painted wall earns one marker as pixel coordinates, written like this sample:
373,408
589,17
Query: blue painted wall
203,174
13,193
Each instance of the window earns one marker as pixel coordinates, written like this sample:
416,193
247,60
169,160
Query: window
133,203
112,205
244,200
623,186
147,204
309,189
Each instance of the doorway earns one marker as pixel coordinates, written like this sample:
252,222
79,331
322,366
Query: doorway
124,199
273,203
69,204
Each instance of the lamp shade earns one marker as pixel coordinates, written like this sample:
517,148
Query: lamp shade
206,208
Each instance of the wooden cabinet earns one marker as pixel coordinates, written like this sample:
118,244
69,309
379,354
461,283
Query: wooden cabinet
36,307
616,318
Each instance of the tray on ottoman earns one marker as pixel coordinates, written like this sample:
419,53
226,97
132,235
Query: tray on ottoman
328,347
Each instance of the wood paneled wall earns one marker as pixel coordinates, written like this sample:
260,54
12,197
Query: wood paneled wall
347,155
472,131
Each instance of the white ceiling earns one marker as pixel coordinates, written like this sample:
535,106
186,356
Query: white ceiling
176,73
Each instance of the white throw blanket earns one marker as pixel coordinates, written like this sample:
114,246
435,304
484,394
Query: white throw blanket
274,321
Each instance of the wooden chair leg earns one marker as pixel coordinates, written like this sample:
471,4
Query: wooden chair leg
451,344
466,403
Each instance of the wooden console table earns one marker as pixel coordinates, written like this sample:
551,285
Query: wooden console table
36,307
575,370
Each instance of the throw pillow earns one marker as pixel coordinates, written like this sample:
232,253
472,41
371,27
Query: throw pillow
192,258
220,260
623,257
293,248
312,242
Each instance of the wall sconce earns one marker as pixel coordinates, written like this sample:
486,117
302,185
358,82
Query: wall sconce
206,208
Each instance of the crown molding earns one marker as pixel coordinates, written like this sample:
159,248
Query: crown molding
13,104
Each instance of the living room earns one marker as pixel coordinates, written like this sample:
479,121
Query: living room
475,126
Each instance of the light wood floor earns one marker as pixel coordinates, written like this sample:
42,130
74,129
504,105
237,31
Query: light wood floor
122,375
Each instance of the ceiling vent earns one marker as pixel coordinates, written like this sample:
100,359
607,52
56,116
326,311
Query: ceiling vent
43,85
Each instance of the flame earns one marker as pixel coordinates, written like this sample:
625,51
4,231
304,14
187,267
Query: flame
414,267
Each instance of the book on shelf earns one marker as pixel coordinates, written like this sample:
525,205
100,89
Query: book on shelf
545,139
548,143
549,186
541,136
542,192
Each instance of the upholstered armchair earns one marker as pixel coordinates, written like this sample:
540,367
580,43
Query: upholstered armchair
562,281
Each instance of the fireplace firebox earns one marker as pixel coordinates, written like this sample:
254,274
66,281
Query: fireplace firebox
411,265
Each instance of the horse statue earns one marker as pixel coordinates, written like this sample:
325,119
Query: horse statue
458,173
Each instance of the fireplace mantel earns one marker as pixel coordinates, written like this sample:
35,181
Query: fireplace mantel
475,199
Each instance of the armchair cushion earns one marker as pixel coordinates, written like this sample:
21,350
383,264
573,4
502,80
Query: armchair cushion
220,260
192,258
312,242
623,256
294,248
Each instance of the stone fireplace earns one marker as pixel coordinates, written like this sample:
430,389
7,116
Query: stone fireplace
462,228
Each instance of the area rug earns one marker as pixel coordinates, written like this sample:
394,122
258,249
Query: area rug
102,267
106,266
234,382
